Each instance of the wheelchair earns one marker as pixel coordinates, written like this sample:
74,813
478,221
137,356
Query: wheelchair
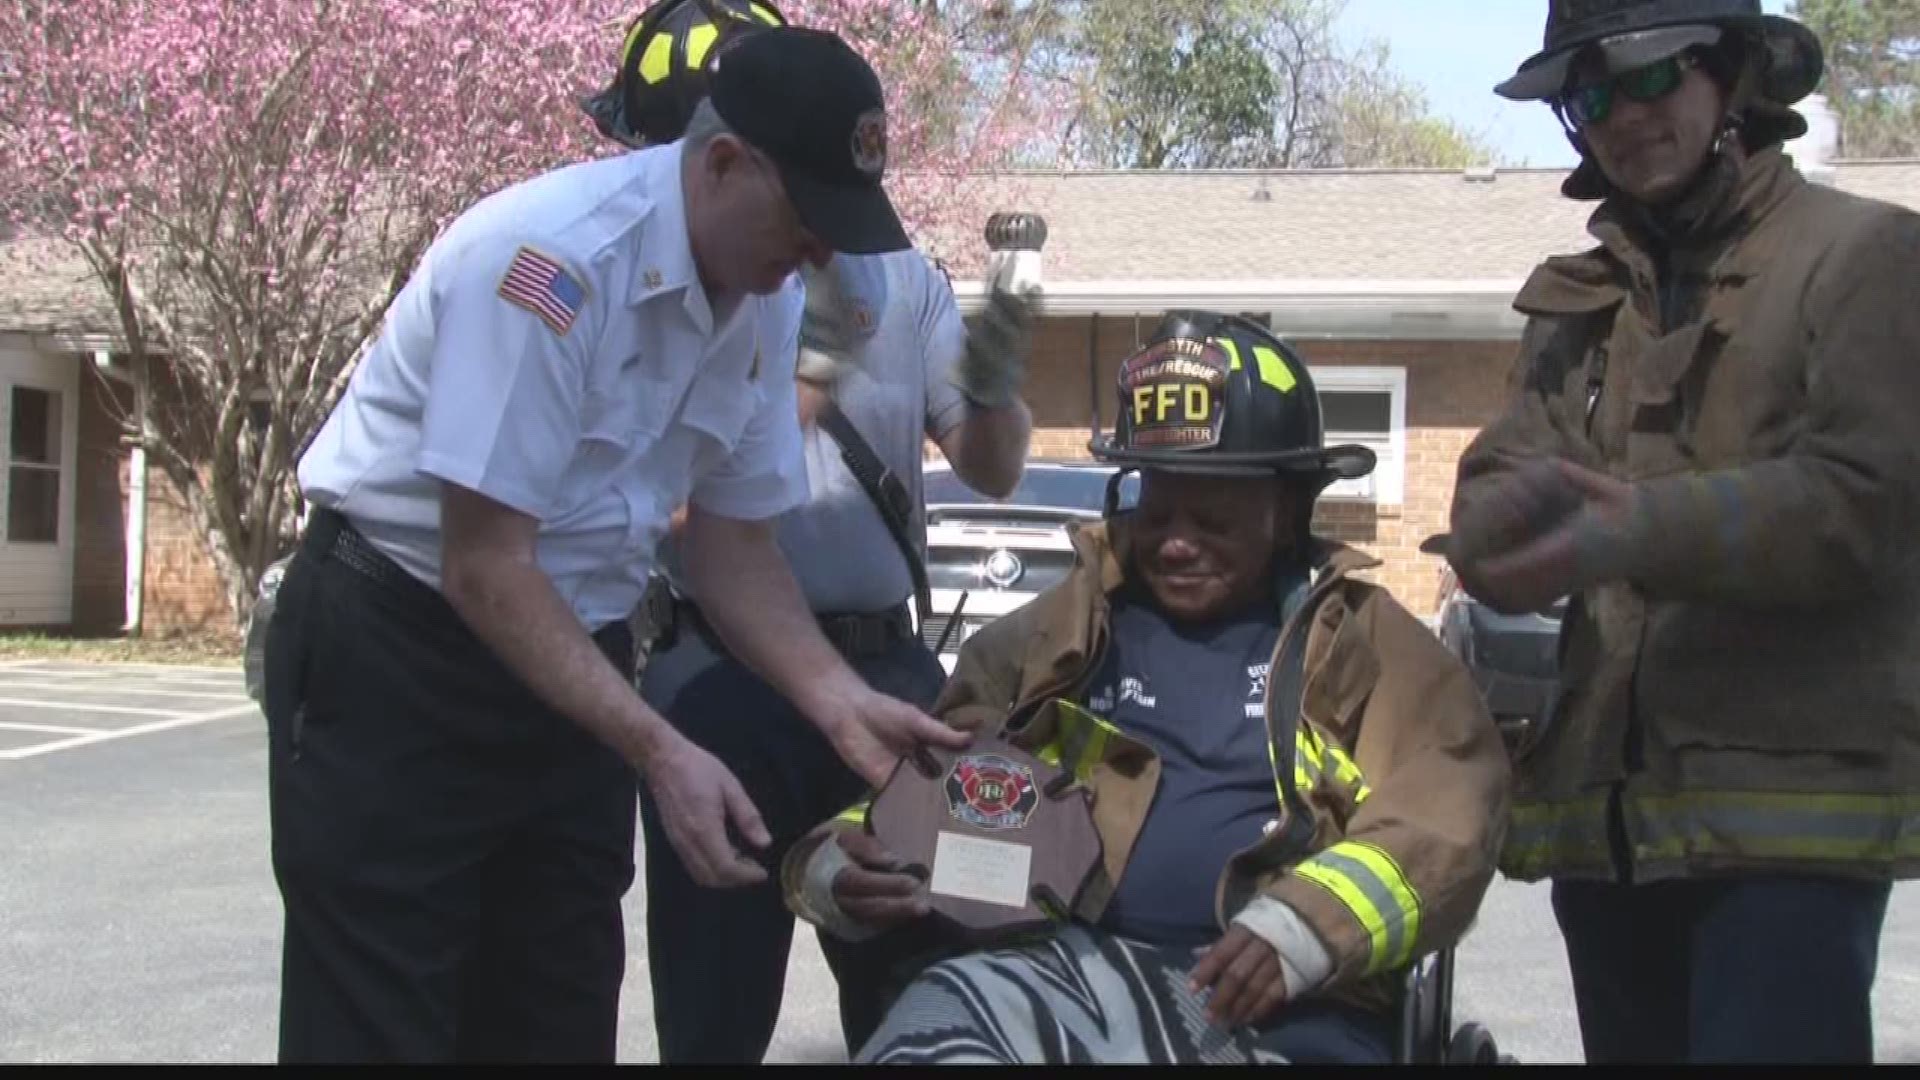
1426,1034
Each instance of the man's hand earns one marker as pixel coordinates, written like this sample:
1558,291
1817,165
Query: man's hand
994,366
873,731
1244,971
698,798
875,892
828,335
1583,547
741,582
1514,509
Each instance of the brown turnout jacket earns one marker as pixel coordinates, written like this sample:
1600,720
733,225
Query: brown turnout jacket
1751,689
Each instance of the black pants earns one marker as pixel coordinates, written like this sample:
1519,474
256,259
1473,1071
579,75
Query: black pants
450,852
718,957
1757,969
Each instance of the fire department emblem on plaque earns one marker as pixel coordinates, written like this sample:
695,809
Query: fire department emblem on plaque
991,792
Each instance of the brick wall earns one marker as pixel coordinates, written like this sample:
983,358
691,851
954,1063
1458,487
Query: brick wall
1452,389
182,593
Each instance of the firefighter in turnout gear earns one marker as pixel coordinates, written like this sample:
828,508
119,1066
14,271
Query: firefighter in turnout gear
1298,791
1708,446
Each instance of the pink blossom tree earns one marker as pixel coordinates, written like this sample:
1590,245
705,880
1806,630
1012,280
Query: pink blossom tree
251,181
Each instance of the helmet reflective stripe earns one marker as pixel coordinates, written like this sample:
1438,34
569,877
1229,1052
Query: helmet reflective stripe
699,40
1273,370
657,60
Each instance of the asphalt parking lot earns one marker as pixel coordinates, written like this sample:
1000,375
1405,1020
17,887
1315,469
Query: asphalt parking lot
139,920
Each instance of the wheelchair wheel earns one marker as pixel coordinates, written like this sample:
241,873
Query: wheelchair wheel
1472,1045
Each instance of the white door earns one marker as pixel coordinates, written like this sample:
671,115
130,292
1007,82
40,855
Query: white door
39,426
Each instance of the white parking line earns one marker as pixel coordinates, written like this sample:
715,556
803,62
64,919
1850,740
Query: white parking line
88,667
229,693
53,729
142,729
69,706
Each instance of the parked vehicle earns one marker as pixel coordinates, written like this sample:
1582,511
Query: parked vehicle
1514,658
255,657
987,557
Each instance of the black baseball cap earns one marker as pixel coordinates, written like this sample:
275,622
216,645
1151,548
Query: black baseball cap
810,103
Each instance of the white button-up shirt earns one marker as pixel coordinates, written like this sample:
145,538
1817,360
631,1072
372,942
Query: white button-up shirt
555,352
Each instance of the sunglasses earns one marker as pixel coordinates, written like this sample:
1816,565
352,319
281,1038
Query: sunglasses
1590,105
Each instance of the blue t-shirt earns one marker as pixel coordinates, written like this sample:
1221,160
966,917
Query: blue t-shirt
1195,694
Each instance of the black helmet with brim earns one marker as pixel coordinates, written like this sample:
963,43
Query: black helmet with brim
1220,395
665,62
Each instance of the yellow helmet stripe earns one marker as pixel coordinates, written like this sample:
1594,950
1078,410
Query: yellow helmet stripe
633,39
1232,351
1273,370
655,62
699,40
764,15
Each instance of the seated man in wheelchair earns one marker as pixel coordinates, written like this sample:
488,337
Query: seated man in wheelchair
1297,789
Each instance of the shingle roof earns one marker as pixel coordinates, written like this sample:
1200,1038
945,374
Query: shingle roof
1331,225
1406,225
46,287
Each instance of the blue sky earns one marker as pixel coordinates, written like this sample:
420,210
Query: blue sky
1456,50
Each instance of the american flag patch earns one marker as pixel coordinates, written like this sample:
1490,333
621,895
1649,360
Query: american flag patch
543,287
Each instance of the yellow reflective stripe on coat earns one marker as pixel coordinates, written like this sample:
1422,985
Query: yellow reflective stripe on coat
855,814
1346,772
1370,884
1079,738
1314,757
1775,825
1716,826
1555,835
1306,765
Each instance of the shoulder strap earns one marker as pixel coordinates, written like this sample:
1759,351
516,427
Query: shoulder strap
889,496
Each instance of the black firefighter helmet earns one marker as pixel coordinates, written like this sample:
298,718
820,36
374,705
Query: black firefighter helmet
1219,394
665,63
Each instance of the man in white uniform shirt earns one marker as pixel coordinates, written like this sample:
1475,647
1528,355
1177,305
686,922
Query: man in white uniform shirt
883,345
452,758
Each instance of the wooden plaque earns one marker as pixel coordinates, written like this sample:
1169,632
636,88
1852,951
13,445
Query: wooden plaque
1005,841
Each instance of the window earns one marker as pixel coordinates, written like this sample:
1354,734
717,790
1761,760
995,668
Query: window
33,466
1367,405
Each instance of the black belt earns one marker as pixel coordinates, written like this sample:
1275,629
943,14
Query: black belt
331,537
855,635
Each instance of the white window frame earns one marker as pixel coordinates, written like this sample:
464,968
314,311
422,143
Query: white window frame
61,467
1387,486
